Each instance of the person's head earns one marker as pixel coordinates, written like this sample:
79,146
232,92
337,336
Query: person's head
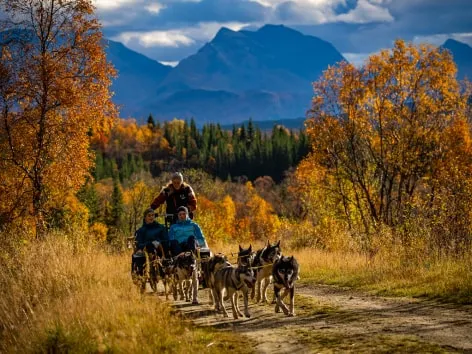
149,216
182,213
177,180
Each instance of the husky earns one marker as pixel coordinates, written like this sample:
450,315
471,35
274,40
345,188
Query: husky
233,279
167,275
263,262
246,256
185,272
285,273
209,269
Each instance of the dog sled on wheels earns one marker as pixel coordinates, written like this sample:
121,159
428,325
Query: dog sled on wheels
157,263
147,267
178,255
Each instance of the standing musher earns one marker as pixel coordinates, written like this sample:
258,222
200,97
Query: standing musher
176,194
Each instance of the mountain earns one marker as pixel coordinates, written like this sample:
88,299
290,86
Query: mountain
263,74
138,77
462,54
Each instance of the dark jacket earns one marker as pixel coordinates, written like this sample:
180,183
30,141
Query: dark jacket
176,198
148,233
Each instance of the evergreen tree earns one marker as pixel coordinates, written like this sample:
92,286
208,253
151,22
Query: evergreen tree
194,132
89,197
250,132
117,205
99,170
150,122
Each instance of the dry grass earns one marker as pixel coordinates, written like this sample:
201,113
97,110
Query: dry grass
446,278
390,271
62,295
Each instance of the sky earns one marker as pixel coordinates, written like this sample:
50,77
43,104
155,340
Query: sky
170,30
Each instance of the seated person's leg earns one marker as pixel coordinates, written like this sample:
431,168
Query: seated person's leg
192,244
175,247
167,247
150,248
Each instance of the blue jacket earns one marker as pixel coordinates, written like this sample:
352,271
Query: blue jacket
148,233
182,230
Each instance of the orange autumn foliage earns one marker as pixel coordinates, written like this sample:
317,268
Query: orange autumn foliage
391,142
55,94
217,218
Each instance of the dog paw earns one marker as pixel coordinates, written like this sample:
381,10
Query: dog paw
247,315
195,302
277,310
291,314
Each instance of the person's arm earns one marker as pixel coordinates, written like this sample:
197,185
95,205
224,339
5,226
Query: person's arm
171,234
159,200
192,200
199,235
140,243
163,234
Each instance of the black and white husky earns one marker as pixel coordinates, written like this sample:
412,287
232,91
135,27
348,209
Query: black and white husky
285,273
263,262
209,268
186,277
234,279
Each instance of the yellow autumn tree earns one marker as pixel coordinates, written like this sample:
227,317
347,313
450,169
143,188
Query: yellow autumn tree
137,199
388,137
263,222
54,94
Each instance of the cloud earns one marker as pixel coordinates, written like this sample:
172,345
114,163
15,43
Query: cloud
366,12
155,8
113,4
155,38
439,39
170,30
357,59
179,37
170,63
205,31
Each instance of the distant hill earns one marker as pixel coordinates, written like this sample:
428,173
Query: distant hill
138,77
462,54
267,125
264,74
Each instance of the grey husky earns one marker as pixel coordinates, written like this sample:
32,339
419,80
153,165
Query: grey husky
209,269
185,275
285,273
246,256
263,262
234,279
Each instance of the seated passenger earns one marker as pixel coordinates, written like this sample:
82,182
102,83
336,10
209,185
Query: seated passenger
151,234
185,235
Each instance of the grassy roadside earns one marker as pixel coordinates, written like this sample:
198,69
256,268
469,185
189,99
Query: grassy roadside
448,280
390,274
63,296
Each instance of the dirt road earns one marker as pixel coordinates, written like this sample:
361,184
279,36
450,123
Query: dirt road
331,319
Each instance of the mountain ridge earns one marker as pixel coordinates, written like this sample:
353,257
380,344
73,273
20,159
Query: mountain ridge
264,74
